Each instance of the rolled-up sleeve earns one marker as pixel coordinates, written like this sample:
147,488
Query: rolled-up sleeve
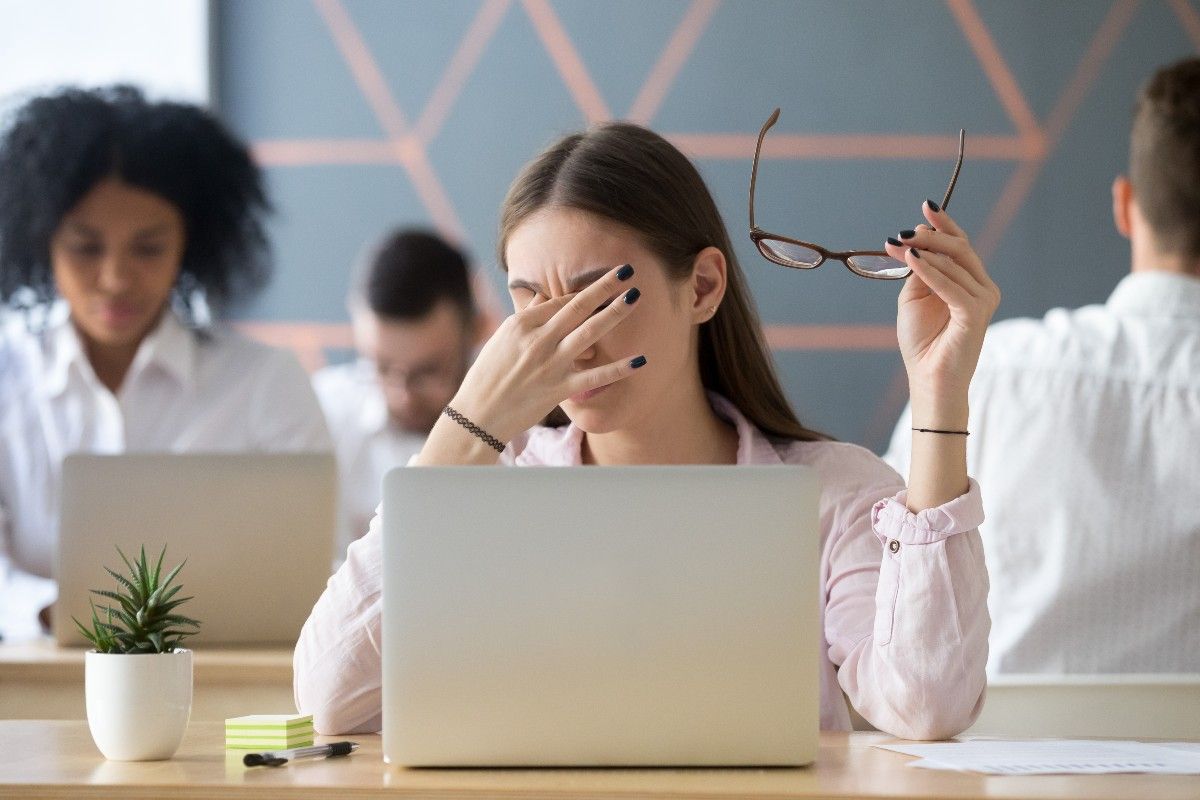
911,653
338,660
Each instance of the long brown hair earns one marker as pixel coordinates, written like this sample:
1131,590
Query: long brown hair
636,178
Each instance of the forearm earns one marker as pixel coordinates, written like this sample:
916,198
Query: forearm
910,639
451,444
337,663
922,674
938,470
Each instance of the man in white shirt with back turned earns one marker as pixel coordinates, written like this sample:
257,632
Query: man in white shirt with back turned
1085,435
415,325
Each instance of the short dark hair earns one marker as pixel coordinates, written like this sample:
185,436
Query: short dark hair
1164,156
59,146
409,272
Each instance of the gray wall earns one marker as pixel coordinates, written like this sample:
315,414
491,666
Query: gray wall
336,97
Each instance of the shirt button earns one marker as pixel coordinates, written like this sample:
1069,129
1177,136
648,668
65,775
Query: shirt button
894,546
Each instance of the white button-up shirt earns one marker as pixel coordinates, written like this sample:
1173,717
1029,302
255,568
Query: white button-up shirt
367,444
184,392
1085,429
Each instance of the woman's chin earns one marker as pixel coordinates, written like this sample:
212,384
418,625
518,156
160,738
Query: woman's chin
590,419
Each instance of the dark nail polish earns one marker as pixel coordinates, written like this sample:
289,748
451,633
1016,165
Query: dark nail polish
916,253
632,296
640,361
907,234
934,207
894,242
625,273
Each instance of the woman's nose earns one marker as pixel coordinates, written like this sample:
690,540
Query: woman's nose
116,273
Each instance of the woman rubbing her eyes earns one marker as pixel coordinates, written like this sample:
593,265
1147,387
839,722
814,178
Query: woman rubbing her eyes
634,329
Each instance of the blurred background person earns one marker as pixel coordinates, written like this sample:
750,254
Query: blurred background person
125,227
1085,431
415,324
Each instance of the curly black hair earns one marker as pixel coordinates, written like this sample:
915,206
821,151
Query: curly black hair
59,146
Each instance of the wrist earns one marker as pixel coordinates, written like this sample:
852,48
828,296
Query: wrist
450,444
940,412
479,433
482,417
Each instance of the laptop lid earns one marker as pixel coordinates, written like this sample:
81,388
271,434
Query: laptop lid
256,530
600,616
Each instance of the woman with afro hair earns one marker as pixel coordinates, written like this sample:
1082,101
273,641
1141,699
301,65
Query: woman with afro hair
126,227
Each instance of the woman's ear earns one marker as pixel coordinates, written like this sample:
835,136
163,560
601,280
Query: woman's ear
1122,203
709,279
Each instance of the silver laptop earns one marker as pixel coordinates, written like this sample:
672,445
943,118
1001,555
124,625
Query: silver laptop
601,616
256,530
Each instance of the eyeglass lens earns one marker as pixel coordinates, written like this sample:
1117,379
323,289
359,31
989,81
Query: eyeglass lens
797,254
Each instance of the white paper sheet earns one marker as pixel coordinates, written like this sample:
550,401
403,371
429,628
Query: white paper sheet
1054,757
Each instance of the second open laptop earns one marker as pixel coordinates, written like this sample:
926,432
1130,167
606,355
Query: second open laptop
256,531
602,616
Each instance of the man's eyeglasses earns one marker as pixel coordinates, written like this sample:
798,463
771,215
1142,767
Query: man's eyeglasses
799,254
424,380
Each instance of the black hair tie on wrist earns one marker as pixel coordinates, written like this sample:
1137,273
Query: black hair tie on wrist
491,441
935,430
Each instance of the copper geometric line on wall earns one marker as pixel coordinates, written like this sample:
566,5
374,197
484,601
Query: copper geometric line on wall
406,144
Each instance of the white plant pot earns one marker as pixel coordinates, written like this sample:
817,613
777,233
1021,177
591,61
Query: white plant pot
138,705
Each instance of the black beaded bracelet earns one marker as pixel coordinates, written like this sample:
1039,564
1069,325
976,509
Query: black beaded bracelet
492,441
935,430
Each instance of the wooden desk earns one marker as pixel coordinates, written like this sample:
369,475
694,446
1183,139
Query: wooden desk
44,759
39,680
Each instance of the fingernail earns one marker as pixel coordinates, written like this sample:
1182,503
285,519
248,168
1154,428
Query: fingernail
894,242
907,234
640,361
632,296
934,207
625,273
915,253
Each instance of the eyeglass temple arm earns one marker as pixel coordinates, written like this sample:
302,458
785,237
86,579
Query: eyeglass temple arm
962,138
757,150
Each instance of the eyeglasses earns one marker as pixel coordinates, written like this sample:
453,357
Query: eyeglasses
423,380
799,254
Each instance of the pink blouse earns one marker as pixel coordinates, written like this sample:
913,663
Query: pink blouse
903,606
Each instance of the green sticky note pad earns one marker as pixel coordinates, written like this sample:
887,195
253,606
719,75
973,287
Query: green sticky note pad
268,742
273,722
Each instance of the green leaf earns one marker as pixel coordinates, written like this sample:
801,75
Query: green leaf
158,567
180,634
130,622
125,602
121,579
90,636
128,566
163,608
138,577
173,573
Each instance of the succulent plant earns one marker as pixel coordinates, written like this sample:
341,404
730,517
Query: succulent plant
140,618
